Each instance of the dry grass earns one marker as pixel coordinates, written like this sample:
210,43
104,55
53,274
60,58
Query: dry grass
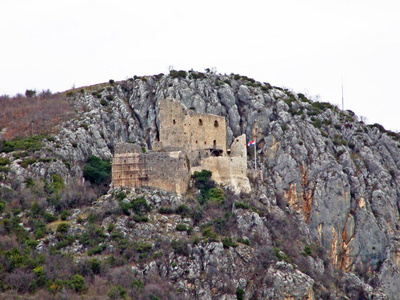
21,116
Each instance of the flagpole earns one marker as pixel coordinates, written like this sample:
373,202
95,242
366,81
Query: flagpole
255,157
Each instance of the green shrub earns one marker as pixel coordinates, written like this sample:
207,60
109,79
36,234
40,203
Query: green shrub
110,97
4,161
2,205
29,182
120,196
4,169
32,143
178,74
64,215
229,242
203,176
97,171
50,217
77,283
138,285
36,210
240,294
30,93
95,265
211,235
181,227
307,251
180,247
27,161
140,218
140,206
241,205
244,241
56,185
116,292
216,196
142,247
62,227
96,250
182,210
103,102
166,210
111,81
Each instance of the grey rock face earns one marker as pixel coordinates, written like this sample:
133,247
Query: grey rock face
341,176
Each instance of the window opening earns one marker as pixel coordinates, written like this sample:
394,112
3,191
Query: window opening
200,122
215,123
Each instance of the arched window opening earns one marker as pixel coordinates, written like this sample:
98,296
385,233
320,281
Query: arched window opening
205,143
215,123
200,122
173,121
215,144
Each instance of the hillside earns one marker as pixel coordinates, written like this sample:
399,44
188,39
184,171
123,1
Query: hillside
322,224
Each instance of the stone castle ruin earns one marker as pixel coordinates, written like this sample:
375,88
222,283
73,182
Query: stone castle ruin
188,142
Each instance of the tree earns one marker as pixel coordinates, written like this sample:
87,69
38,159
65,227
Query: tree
30,93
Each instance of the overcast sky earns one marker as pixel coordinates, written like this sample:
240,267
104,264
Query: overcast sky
306,46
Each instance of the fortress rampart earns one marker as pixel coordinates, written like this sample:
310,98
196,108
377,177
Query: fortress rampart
189,142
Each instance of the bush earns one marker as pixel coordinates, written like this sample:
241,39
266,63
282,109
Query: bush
240,294
181,227
117,292
216,196
50,217
32,143
143,247
241,205
211,235
64,215
244,241
97,171
62,227
178,74
30,93
229,242
140,218
27,161
182,210
180,247
166,210
307,251
4,161
77,283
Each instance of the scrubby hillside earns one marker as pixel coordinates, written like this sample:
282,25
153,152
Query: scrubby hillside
323,223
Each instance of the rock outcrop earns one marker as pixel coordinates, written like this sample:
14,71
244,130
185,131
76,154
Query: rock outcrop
337,175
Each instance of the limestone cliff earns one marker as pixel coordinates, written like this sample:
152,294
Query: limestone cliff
332,177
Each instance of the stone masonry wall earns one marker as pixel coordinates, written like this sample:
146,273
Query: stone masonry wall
183,128
164,170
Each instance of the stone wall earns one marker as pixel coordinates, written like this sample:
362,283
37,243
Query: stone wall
168,171
183,128
229,170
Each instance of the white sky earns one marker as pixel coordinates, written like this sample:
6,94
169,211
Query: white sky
307,46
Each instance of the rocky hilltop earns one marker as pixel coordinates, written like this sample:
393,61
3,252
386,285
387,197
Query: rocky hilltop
323,223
